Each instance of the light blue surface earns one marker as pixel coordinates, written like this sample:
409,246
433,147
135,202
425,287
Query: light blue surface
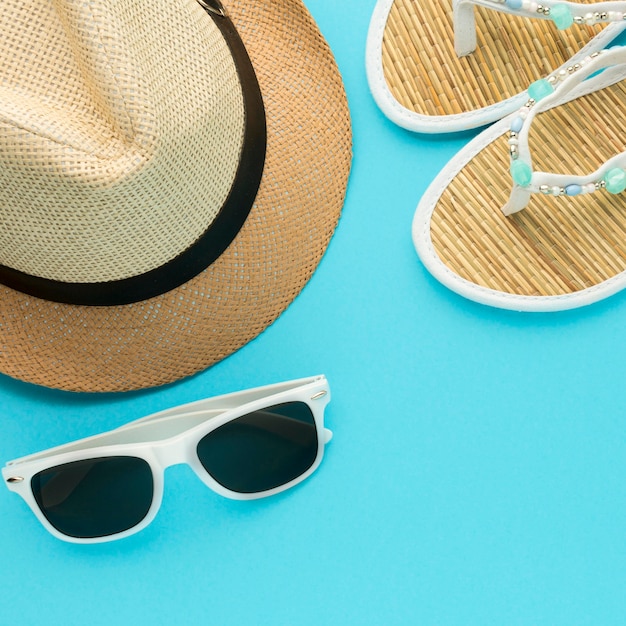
477,475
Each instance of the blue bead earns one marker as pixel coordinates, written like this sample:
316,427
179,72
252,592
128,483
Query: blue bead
513,4
573,190
516,124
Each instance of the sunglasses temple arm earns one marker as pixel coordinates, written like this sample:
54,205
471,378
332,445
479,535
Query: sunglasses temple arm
228,401
170,422
166,427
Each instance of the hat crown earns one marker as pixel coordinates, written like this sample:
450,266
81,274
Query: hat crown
121,128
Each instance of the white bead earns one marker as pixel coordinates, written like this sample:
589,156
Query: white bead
556,191
532,7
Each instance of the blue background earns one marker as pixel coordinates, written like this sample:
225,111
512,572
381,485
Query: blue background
477,475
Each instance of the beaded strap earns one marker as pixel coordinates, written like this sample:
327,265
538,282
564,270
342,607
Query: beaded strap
563,14
544,94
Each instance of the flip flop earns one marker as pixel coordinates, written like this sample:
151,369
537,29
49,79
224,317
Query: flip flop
423,84
498,227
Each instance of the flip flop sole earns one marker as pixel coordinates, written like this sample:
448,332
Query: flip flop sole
559,252
421,84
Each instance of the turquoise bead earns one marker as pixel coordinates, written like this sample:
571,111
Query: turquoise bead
615,180
521,173
573,190
540,89
562,16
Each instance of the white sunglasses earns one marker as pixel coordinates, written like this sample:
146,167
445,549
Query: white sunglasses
243,445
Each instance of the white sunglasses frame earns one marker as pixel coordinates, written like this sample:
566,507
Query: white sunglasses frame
170,438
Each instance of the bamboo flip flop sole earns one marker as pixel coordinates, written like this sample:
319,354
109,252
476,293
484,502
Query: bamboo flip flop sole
561,251
421,83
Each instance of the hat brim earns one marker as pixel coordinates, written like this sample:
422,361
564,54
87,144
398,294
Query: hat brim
157,341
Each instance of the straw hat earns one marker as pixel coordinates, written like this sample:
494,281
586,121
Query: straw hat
171,173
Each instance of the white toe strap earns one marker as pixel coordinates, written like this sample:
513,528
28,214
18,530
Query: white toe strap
590,74
563,14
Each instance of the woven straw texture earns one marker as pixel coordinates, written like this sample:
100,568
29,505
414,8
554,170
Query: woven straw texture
556,245
290,225
94,134
425,75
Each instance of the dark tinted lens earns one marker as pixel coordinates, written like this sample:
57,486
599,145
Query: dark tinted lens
261,450
95,497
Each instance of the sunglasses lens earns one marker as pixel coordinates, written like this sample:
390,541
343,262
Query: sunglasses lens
261,450
95,497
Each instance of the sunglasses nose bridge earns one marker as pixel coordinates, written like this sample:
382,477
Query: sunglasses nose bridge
173,452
